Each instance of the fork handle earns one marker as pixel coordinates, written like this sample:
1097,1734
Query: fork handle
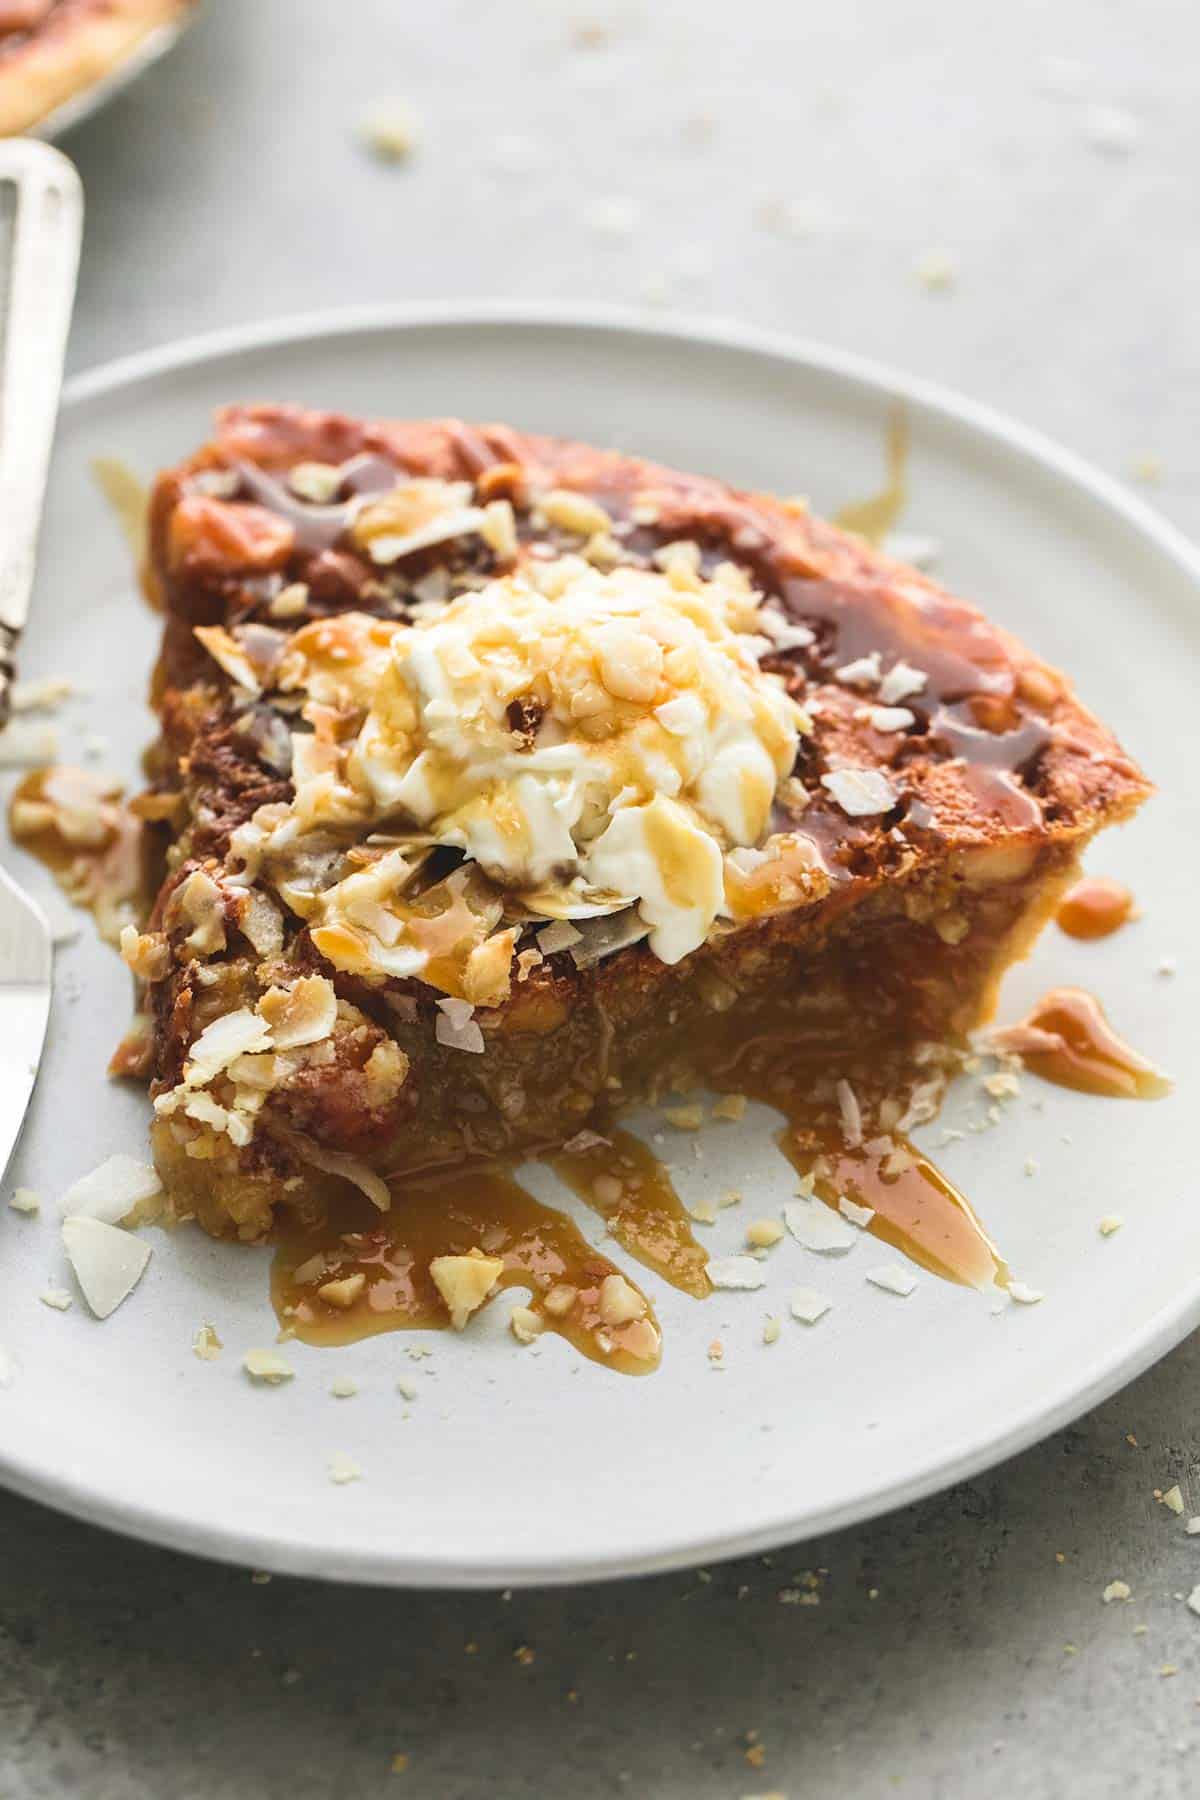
41,224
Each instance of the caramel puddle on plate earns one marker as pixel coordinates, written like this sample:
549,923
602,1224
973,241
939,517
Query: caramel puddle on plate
1067,1040
78,825
1095,907
450,1215
622,1179
875,516
128,498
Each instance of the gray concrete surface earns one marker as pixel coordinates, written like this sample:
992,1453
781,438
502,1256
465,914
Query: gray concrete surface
231,186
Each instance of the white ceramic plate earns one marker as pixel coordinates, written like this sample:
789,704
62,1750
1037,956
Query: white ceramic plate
531,1465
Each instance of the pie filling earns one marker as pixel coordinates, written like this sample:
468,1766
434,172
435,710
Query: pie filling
504,783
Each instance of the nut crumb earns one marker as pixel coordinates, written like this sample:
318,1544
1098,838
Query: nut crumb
206,1344
729,1106
764,1233
390,129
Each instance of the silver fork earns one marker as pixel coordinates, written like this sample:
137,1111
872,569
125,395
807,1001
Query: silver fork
41,223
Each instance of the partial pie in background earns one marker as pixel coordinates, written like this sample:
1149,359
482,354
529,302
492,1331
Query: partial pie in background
56,54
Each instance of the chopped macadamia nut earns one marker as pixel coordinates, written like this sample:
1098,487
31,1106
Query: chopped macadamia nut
684,1118
390,128
620,1302
464,1282
343,1469
316,482
525,1324
560,1299
290,601
574,512
147,954
771,1331
1116,1590
345,1292
499,530
764,1233
729,1106
26,1200
206,1344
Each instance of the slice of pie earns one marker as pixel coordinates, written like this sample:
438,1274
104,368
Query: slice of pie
499,773
53,50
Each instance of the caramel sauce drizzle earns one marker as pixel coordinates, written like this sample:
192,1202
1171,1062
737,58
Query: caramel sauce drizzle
1095,907
875,516
1067,1040
623,1180
82,830
482,1208
917,1209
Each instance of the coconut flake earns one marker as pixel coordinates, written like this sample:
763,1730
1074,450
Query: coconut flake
343,1469
860,792
808,1305
1025,1296
864,671
887,718
234,1034
817,1227
108,1262
851,1114
268,1366
457,1028
558,936
229,654
857,1215
302,1014
736,1272
901,681
892,1279
339,1162
24,745
111,1192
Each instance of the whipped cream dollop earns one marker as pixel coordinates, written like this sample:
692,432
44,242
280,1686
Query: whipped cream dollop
590,739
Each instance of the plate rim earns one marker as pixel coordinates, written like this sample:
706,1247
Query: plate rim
1065,1400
